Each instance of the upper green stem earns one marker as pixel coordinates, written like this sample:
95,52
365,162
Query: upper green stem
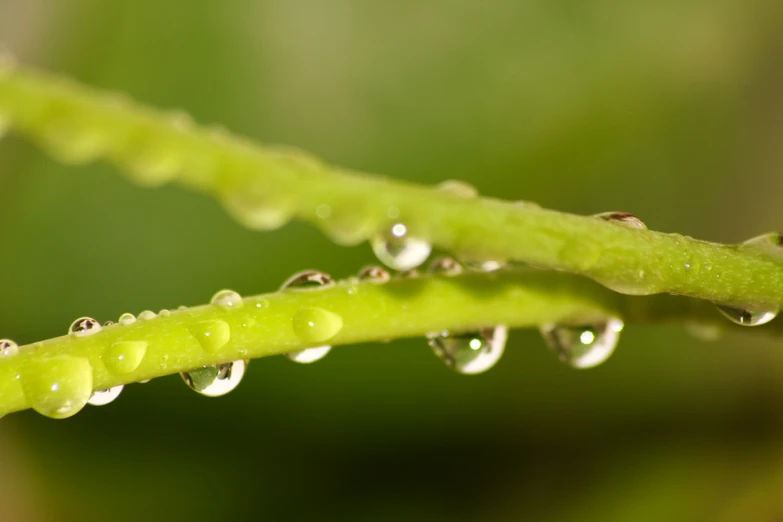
265,187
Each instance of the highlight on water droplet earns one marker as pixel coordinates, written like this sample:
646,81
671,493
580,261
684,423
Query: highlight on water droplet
625,219
397,248
374,274
470,352
445,266
146,315
308,279
84,326
8,348
583,346
215,380
124,357
127,319
459,188
57,387
104,397
227,299
211,335
746,317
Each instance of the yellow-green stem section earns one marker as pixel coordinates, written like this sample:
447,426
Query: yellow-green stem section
78,124
265,325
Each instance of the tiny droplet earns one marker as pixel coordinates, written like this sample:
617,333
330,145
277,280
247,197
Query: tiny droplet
227,299
446,266
127,319
374,274
623,218
84,326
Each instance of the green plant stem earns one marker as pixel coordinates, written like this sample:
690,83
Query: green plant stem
262,326
78,124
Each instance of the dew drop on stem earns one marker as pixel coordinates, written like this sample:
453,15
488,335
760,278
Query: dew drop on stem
215,380
227,299
312,325
397,248
583,346
84,326
8,348
57,387
470,352
625,219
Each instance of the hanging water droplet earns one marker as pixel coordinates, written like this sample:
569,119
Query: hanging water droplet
458,188
398,249
8,348
374,274
127,319
747,317
84,326
623,218
146,315
57,387
211,335
583,346
308,279
314,325
445,266
472,352
259,206
215,380
104,397
227,299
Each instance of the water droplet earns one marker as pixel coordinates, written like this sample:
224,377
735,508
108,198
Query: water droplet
164,313
747,317
445,266
8,348
397,249
259,207
583,346
84,326
57,387
770,244
374,274
323,211
124,357
183,307
227,299
623,218
413,273
108,323
308,279
458,188
127,319
146,315
211,335
215,380
471,352
104,397
315,325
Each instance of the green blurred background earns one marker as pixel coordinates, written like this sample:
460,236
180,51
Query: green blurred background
672,110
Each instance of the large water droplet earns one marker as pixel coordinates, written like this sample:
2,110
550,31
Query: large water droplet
445,266
227,299
57,387
84,326
104,397
374,274
259,207
747,317
123,357
215,380
583,346
472,352
458,188
211,335
398,249
623,218
127,319
8,348
314,325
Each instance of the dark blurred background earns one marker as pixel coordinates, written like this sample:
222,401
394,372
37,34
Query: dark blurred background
672,110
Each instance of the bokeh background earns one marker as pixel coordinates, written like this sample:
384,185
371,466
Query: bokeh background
672,110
